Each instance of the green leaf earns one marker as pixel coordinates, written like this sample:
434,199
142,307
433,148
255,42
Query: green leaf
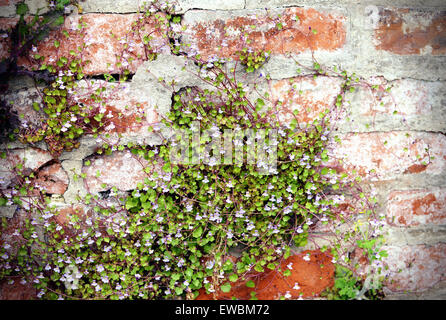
59,21
250,284
22,9
178,291
198,232
226,287
233,277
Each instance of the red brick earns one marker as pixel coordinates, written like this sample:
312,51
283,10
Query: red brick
53,179
8,23
312,277
65,214
307,95
415,207
106,36
391,154
8,2
407,31
415,268
295,36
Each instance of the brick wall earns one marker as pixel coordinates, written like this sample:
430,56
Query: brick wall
400,43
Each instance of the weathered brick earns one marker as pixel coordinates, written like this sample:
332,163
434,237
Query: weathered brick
409,104
65,214
7,24
406,97
385,155
415,207
310,96
411,31
21,102
214,33
121,169
106,36
124,111
18,289
415,268
31,158
308,279
53,179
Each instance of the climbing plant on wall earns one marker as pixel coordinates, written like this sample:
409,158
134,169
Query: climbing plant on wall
173,236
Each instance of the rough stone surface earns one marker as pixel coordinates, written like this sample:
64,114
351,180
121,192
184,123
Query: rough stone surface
172,70
157,81
185,5
180,6
122,170
21,103
110,6
76,185
251,4
415,235
8,7
8,211
437,292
